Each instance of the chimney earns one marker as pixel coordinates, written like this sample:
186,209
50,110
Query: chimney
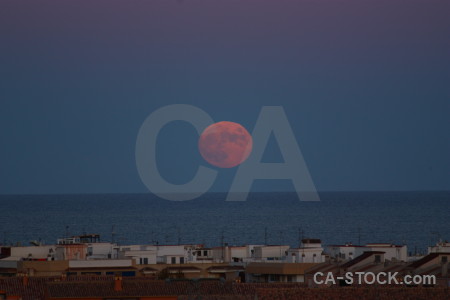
25,280
227,255
118,284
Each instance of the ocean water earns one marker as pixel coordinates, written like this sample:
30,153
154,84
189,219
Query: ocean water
417,219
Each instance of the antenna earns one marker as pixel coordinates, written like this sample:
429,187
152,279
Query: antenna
431,238
281,241
222,244
359,236
438,236
265,235
112,233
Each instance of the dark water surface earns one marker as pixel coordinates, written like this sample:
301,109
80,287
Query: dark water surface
415,218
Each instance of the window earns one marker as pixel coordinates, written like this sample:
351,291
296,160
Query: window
145,260
377,258
274,277
444,259
205,253
181,260
173,260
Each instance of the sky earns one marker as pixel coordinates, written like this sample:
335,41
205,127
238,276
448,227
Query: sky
365,86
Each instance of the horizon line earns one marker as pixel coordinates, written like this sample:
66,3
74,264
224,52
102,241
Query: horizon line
215,192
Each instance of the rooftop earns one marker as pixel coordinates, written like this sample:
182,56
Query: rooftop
278,268
360,258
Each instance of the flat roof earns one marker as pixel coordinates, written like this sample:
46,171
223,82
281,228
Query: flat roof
279,268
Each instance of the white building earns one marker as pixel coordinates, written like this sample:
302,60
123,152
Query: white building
46,252
164,254
349,251
141,255
236,254
345,252
202,255
102,251
249,253
391,251
440,247
270,253
311,251
95,248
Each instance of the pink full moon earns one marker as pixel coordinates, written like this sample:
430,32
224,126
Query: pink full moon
225,144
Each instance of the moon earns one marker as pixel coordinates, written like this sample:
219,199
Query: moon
225,144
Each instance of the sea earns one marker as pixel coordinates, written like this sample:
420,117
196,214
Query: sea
417,219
